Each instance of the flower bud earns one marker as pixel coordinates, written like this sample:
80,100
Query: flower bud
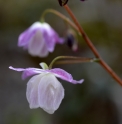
62,2
71,40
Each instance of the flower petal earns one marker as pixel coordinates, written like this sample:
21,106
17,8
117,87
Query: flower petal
28,71
50,93
56,37
47,34
60,73
16,69
51,37
37,45
78,82
26,36
32,91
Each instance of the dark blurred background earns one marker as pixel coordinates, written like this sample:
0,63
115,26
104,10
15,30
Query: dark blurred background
99,99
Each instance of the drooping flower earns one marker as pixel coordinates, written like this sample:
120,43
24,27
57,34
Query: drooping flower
39,39
43,89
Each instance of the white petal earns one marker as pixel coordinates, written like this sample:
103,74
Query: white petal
32,91
44,51
37,45
35,25
50,93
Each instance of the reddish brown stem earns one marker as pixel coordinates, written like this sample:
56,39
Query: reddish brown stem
92,47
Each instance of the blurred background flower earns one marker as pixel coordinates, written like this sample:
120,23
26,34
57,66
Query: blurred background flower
39,39
98,99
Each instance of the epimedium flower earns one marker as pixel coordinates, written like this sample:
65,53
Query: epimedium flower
39,39
43,89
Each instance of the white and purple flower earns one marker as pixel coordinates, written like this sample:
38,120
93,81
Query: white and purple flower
39,39
43,89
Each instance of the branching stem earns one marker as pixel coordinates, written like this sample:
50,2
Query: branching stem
92,47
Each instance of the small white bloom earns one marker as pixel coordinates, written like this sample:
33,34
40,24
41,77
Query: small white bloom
43,89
